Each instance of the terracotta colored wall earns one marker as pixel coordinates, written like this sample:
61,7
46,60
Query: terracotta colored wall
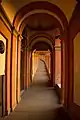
58,66
24,69
73,87
28,67
32,65
58,62
77,69
14,70
11,65
18,72
35,61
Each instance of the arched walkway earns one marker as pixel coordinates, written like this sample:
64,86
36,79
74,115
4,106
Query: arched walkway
27,28
39,102
41,77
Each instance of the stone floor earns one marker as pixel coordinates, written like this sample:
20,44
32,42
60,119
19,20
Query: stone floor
39,102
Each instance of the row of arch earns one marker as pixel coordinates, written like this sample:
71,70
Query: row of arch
67,35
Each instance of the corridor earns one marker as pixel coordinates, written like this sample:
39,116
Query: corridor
39,102
45,30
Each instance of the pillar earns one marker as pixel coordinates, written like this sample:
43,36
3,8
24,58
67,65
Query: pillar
25,65
58,62
53,67
13,69
28,67
18,68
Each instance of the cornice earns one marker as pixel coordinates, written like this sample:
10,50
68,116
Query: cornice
7,22
19,37
5,18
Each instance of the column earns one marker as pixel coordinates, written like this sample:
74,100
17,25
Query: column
13,69
18,68
53,67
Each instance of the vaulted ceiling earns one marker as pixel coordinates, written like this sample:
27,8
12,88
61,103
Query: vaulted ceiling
34,15
40,21
41,46
13,6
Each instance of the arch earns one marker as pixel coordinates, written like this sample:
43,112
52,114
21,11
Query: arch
23,24
42,34
36,39
48,38
38,35
44,5
41,45
40,5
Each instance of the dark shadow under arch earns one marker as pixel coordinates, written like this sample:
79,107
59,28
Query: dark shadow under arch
40,5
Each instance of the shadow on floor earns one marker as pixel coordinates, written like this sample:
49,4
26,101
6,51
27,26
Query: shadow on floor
39,102
55,114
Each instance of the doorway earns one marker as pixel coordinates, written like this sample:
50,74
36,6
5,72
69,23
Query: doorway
38,57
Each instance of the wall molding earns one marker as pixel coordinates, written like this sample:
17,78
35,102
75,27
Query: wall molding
7,22
5,18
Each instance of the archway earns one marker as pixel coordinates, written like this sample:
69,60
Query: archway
38,8
41,51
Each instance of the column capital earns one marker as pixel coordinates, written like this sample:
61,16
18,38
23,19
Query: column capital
14,31
19,37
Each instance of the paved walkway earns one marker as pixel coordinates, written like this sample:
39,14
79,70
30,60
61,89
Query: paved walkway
39,102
